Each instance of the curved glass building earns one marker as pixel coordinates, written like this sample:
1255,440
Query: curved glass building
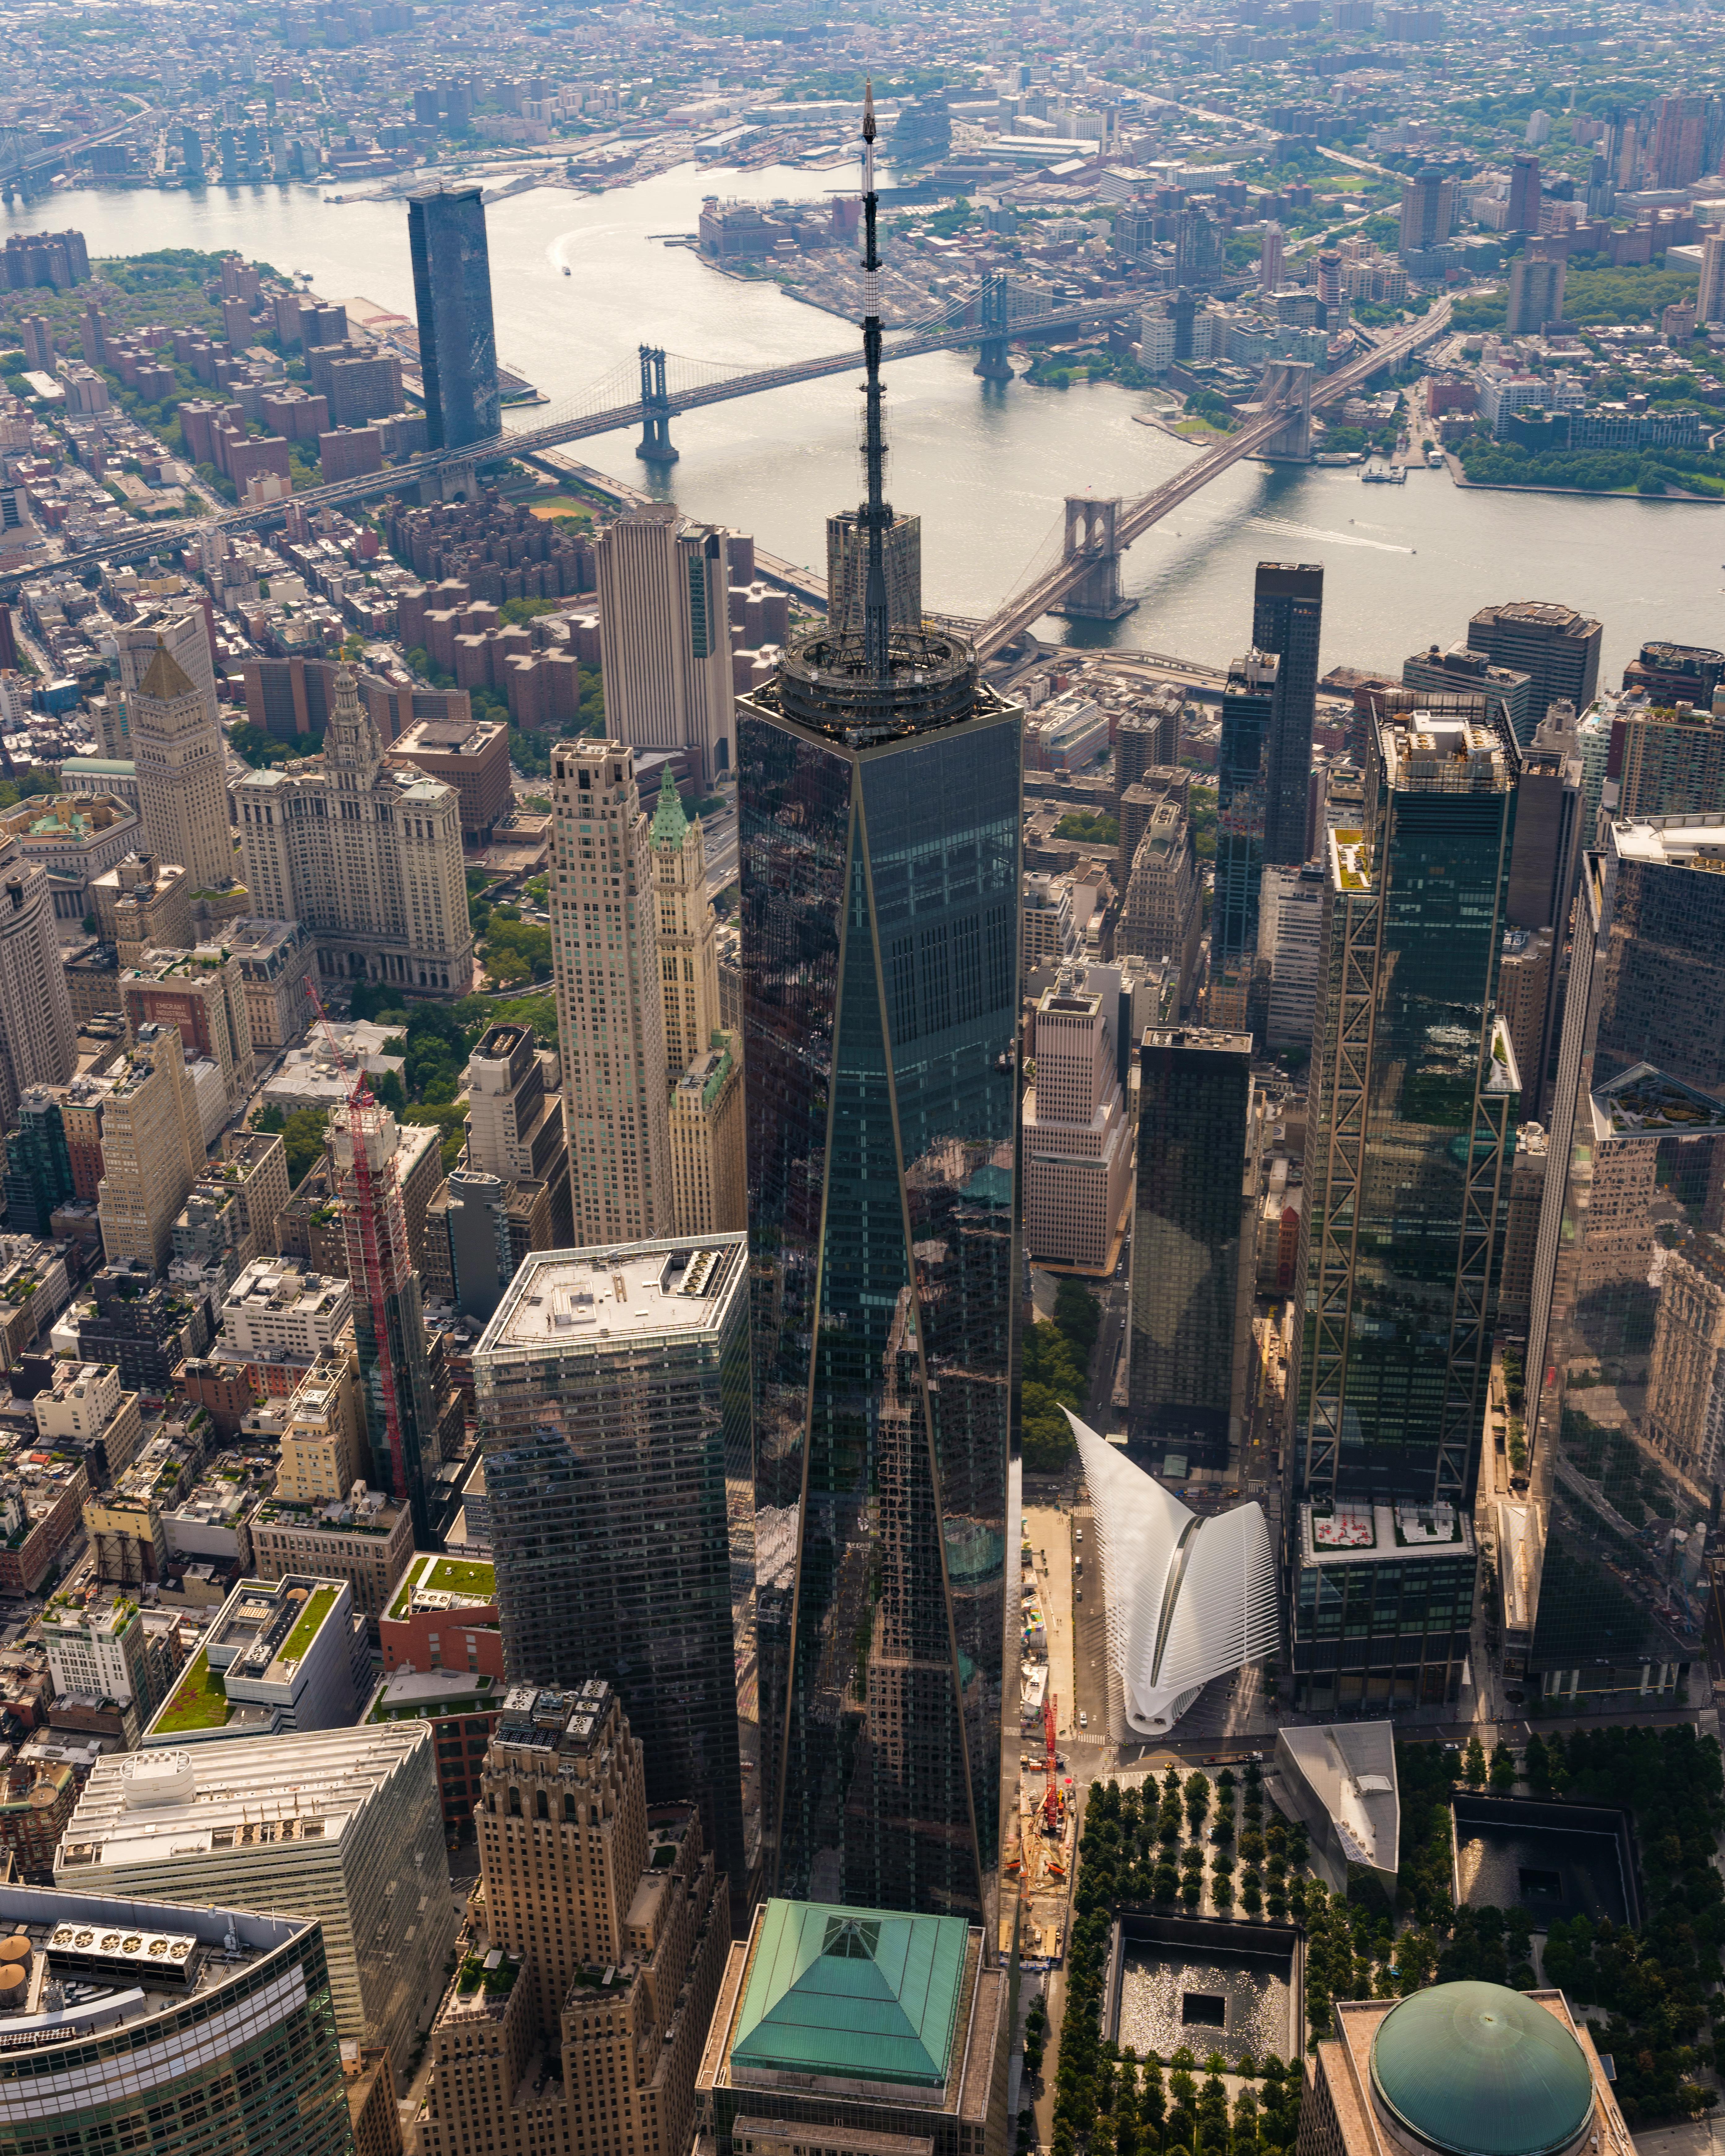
158,2025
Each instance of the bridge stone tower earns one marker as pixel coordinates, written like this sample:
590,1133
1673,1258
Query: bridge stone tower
656,446
1090,532
1288,383
993,364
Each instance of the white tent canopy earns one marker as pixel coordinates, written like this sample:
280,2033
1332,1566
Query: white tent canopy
1189,1598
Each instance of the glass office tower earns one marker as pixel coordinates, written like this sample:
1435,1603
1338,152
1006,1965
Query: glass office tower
1249,703
613,1387
880,874
878,798
1194,1249
1624,1321
452,298
1287,616
1414,1100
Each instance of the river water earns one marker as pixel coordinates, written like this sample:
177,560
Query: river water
986,467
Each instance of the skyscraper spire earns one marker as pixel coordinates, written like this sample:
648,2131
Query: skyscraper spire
875,514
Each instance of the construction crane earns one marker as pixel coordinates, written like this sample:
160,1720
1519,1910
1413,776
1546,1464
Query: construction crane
1052,1816
362,1109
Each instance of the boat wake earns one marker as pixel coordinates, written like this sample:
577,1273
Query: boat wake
1293,531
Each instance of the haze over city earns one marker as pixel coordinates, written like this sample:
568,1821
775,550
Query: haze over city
862,1076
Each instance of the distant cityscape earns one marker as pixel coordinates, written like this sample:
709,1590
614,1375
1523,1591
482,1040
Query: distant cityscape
785,1375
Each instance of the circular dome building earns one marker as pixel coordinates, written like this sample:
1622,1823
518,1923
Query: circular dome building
1477,2069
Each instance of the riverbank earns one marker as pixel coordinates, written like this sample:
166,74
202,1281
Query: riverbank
1585,493
986,465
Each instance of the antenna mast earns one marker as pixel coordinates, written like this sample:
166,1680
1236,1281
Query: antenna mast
875,514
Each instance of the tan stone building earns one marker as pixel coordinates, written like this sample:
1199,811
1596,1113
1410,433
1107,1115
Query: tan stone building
1077,1138
202,992
152,1149
610,1018
709,1143
1163,917
275,959
366,854
360,1538
143,904
1685,1377
323,1448
182,790
703,1060
610,1930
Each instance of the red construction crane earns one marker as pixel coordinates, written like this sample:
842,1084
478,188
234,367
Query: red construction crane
362,1109
1051,1796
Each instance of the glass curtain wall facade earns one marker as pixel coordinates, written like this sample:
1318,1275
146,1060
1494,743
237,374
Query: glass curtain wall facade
879,874
613,1396
452,299
1287,616
1637,1122
247,2062
1414,1102
1242,800
1192,1231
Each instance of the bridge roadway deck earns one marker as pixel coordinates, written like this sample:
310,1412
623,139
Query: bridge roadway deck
532,441
1136,517
430,464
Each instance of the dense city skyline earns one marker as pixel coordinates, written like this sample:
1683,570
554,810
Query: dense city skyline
772,1259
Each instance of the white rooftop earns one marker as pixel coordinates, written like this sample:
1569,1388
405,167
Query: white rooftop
223,1796
569,1298
1350,1768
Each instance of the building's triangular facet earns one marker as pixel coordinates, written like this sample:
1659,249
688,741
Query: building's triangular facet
878,797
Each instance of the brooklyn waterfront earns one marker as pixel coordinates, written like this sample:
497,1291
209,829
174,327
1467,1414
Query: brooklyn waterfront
985,466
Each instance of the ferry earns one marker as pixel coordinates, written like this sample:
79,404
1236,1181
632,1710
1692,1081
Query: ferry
1381,475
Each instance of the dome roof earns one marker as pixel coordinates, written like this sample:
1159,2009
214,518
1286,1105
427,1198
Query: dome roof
1476,2069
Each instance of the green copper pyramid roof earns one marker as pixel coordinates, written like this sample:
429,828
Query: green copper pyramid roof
668,822
858,1995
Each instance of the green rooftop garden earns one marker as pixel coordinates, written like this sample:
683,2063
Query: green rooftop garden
198,1700
446,1575
454,1575
318,1606
497,1982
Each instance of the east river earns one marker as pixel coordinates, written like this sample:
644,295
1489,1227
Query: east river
987,468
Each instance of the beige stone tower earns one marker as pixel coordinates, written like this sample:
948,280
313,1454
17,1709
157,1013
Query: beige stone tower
708,1140
688,934
183,788
37,1038
152,1149
603,1938
610,1020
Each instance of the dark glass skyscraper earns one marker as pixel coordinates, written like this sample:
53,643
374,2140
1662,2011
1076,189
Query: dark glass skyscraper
1414,1097
1287,615
1636,1121
878,786
1193,1247
1249,704
452,297
39,1165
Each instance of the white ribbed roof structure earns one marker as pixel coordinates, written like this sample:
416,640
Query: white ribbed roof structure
1187,1597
